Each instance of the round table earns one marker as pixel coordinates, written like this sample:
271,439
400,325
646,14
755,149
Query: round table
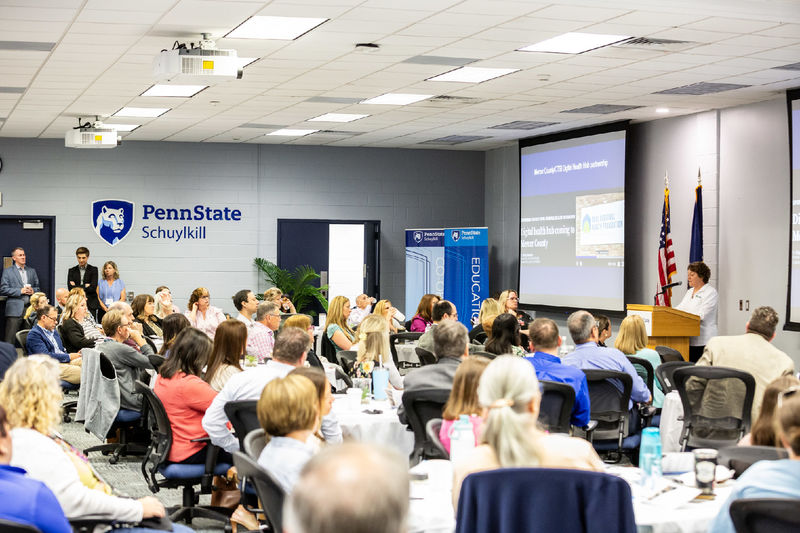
382,428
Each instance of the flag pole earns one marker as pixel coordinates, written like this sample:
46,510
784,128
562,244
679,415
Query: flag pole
699,178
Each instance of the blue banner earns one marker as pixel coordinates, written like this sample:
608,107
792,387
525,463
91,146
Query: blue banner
424,266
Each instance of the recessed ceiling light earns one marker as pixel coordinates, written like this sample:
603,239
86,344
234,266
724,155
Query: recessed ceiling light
141,112
337,117
123,127
183,91
292,133
396,99
284,28
574,43
472,74
662,110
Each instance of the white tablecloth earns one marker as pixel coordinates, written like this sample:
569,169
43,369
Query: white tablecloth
407,352
384,428
671,423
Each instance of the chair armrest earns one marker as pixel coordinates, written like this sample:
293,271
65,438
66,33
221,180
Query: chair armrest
211,462
83,525
201,439
589,429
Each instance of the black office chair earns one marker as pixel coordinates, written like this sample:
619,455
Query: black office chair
609,408
425,357
717,402
740,458
269,492
432,429
22,339
254,443
487,355
664,373
421,406
400,338
243,417
644,369
481,337
159,473
328,349
346,359
669,354
555,409
7,526
766,515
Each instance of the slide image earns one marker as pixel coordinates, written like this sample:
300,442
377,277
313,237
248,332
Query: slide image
600,226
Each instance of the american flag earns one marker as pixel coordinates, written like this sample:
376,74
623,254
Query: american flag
666,255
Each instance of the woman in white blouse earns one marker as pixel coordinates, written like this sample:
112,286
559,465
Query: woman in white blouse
701,299
201,314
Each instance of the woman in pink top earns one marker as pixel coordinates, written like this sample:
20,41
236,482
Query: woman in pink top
464,399
422,319
201,314
185,395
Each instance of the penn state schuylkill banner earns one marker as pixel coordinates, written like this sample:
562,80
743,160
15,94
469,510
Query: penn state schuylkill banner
451,262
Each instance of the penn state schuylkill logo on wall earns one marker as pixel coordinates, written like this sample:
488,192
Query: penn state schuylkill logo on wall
112,219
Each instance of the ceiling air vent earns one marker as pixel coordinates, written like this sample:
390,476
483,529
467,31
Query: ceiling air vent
651,43
697,89
791,66
455,139
602,109
446,100
522,125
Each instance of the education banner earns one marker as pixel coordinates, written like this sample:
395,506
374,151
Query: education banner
424,266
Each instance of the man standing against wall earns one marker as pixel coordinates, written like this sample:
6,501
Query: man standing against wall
17,283
85,276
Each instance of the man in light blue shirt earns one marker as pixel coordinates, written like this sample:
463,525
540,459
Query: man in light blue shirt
589,356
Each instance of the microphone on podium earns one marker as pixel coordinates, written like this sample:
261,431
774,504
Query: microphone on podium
669,286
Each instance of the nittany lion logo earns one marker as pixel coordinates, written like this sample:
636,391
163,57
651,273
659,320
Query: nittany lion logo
587,224
417,237
112,219
456,235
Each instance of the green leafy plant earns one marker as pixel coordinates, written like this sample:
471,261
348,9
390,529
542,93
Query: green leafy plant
297,285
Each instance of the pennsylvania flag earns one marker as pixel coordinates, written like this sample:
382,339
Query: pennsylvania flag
696,248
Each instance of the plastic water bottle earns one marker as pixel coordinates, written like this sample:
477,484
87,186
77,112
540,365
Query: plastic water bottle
462,438
650,459
380,381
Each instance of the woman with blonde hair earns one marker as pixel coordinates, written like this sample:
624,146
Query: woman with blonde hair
288,411
336,326
509,303
303,322
77,329
384,308
201,314
509,395
329,430
37,300
374,350
422,318
632,340
489,308
285,305
111,288
230,344
463,398
32,395
764,431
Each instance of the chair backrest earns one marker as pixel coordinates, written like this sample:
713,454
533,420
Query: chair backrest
740,458
160,435
399,338
487,355
254,443
555,409
425,357
645,370
512,499
766,515
481,337
716,404
421,406
669,354
7,526
664,373
609,394
328,349
346,358
243,417
269,492
22,339
432,429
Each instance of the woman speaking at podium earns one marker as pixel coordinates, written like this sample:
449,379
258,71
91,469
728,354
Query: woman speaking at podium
701,299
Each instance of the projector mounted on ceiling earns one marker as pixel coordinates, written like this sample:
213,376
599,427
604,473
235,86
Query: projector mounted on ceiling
92,135
201,64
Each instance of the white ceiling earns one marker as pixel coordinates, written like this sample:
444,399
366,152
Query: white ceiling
104,49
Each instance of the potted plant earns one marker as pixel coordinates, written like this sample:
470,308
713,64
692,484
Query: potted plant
297,285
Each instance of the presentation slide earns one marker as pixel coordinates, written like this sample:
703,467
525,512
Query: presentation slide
794,280
572,222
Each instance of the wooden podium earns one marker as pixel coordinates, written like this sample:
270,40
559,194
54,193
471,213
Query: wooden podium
667,326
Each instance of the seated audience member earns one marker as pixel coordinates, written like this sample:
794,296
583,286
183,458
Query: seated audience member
374,350
61,299
443,310
770,479
171,325
544,343
288,410
487,323
31,387
303,323
164,305
289,353
230,342
763,431
604,324
391,314
463,399
261,339
8,354
201,314
362,309
336,326
509,303
285,305
329,430
31,316
489,307
337,492
752,352
632,340
126,309
588,355
127,361
76,326
186,396
245,302
509,393
505,338
44,339
422,318
144,313
25,500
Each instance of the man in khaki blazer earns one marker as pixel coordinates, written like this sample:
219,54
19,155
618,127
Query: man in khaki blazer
752,352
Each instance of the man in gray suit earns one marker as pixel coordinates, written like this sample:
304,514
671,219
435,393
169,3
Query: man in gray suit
18,283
